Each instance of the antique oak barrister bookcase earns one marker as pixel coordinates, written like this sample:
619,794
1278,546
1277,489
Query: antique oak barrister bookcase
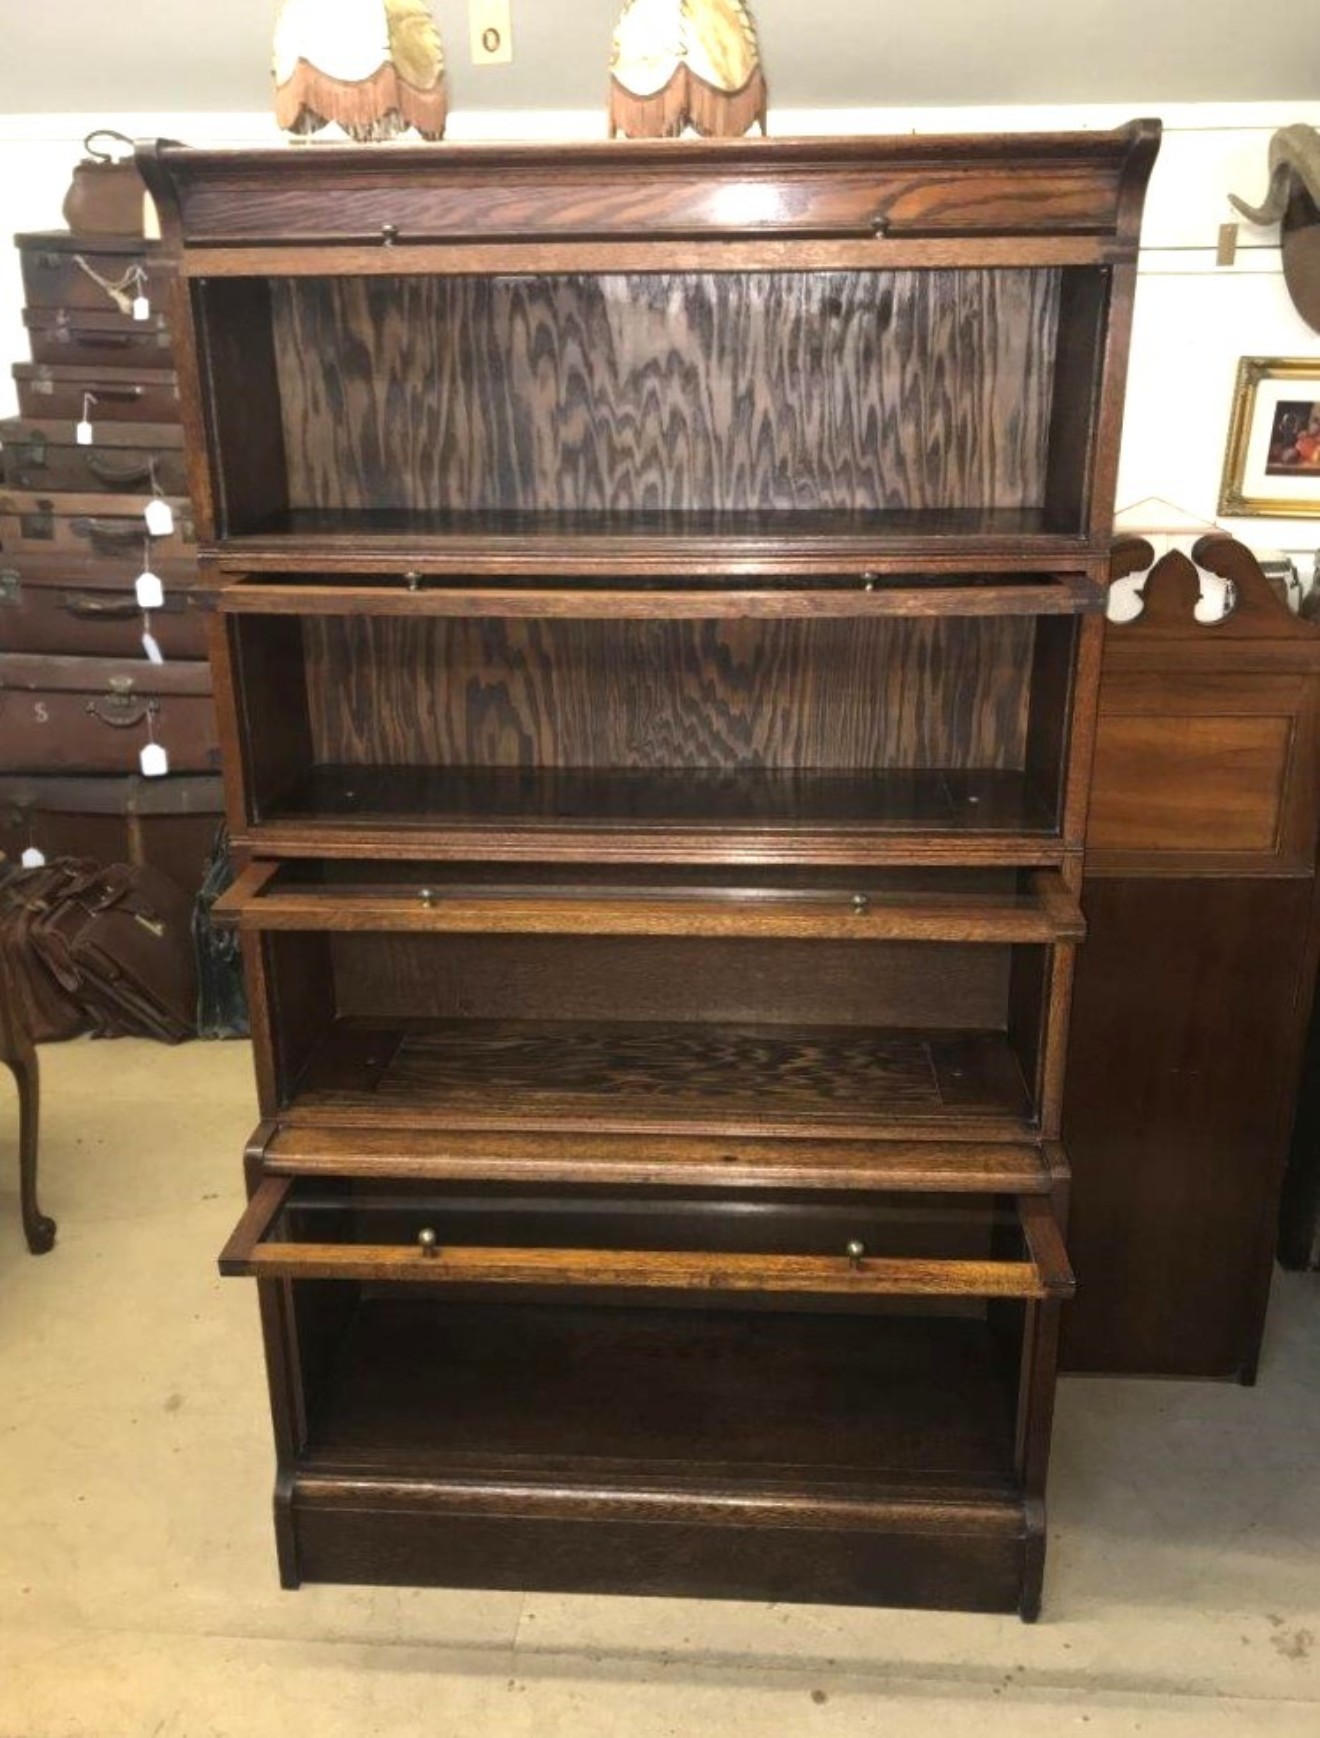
662,602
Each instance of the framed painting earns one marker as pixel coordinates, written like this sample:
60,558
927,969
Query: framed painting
1272,465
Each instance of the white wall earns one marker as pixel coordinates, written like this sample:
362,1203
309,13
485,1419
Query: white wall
1193,318
825,54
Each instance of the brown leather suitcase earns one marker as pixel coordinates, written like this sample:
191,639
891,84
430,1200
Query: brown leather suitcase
33,522
88,608
89,338
44,454
60,714
63,270
101,394
170,823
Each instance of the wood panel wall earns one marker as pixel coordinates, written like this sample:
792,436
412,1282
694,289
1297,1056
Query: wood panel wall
836,390
867,695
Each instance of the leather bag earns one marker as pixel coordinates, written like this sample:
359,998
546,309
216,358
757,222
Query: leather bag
41,1009
105,195
118,942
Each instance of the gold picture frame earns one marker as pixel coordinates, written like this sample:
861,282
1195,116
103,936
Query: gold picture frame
1276,401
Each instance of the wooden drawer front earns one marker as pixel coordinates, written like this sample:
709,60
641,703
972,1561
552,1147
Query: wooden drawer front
859,1247
1214,770
91,714
45,455
968,1556
689,193
140,395
87,337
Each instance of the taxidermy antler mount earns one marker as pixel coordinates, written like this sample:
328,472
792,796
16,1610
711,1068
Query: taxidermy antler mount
1293,202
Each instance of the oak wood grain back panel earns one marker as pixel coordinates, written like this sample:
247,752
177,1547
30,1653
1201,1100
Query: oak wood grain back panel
526,693
495,977
845,390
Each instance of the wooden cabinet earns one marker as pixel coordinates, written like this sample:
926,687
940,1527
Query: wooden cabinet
660,613
1196,982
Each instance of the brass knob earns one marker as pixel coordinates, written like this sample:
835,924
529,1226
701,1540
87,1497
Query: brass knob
427,1240
868,582
879,227
427,897
413,581
855,1250
389,233
860,903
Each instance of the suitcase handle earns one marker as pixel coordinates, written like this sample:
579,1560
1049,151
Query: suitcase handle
88,607
109,534
101,156
118,476
124,711
98,340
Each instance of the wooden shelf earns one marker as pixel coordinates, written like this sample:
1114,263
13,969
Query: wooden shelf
420,593
616,814
733,1400
696,542
646,1161
435,899
683,1077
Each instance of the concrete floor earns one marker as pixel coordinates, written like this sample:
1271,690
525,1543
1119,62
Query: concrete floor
138,1596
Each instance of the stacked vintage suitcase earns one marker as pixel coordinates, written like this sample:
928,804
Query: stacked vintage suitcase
82,692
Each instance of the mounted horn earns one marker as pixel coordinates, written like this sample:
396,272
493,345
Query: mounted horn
1294,156
1293,202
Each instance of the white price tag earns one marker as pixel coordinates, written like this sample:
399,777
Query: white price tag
159,516
150,592
154,761
83,433
151,648
32,858
141,308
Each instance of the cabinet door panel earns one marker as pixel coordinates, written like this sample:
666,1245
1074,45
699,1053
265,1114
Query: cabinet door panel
1181,1068
1203,774
1200,784
298,1229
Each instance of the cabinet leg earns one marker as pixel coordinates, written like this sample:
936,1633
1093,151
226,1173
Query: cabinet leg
1033,1562
37,1228
285,1542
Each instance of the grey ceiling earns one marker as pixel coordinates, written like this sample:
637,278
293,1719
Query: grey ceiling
103,55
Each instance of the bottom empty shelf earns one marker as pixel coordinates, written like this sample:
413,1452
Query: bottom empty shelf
727,1398
684,1077
854,1460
